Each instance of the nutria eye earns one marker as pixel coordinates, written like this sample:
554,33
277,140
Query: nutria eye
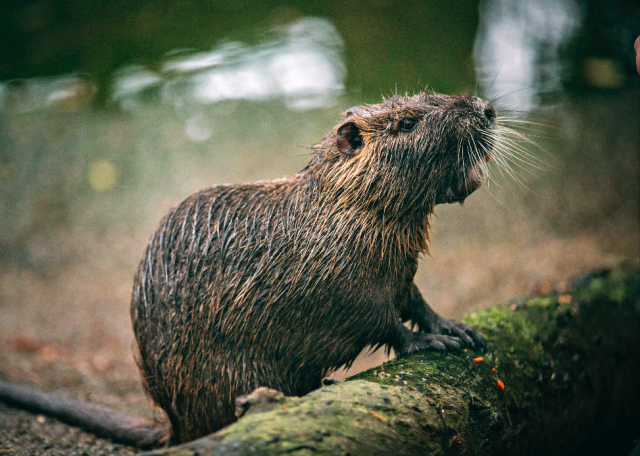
408,124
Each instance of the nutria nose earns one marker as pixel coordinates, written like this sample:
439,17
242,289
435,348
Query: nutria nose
490,113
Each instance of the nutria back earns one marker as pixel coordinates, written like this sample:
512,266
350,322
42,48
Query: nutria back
276,283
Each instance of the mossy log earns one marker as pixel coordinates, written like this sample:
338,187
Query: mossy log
569,364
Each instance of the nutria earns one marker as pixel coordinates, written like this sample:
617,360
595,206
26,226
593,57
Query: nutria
278,283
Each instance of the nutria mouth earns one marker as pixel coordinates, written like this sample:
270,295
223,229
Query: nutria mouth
468,182
470,178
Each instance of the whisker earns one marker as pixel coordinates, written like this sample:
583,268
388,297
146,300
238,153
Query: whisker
515,150
480,159
497,160
505,133
502,164
514,92
494,79
522,121
519,162
524,139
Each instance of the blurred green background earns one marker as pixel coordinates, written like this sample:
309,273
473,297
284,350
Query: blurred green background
111,112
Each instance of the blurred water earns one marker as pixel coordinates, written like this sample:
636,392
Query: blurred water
518,45
300,63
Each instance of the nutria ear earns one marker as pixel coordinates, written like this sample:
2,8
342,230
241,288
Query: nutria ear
349,140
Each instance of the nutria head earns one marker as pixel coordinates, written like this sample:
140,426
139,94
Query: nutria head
407,154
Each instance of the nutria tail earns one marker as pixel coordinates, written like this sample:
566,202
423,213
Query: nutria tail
98,420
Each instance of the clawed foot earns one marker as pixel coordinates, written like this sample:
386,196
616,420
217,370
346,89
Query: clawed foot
440,334
465,334
260,399
434,342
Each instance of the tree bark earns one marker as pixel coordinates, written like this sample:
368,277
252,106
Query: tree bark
569,364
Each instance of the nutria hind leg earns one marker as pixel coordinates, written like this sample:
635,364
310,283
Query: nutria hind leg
194,417
433,324
205,406
197,406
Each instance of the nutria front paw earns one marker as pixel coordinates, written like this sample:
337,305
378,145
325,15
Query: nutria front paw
433,342
469,336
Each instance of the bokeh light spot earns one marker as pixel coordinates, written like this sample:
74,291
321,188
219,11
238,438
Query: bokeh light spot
102,175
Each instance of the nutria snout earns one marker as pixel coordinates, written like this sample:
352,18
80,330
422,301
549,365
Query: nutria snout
277,283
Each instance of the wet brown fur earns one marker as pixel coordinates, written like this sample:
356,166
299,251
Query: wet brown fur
277,283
